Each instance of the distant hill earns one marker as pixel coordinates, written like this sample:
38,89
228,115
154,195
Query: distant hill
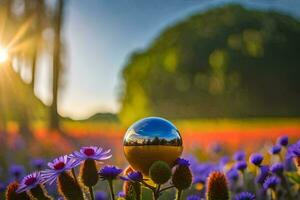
226,62
109,117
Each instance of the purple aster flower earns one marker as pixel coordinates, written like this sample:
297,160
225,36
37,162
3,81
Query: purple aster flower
100,195
233,175
193,197
263,174
241,165
134,176
283,140
256,159
239,156
58,166
2,187
224,160
271,182
17,171
30,181
182,162
121,194
38,163
245,196
91,152
216,147
277,168
109,172
294,153
275,149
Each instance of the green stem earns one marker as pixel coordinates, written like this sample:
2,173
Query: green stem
178,195
166,188
273,195
111,188
148,186
92,193
74,175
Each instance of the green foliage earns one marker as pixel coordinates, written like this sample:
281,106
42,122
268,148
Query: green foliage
294,177
226,62
160,172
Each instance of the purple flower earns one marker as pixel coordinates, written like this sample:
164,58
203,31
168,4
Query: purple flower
121,194
271,182
275,149
182,162
30,181
277,168
294,153
245,196
17,171
239,156
224,160
134,176
109,172
37,163
91,152
2,187
57,166
283,140
241,165
216,147
100,195
263,174
256,159
233,174
193,197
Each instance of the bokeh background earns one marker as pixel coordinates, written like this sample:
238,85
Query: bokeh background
78,73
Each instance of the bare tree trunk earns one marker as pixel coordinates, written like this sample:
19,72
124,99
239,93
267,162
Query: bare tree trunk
54,117
38,39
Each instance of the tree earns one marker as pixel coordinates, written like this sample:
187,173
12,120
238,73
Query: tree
57,64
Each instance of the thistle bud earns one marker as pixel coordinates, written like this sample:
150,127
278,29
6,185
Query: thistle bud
68,187
39,192
11,193
160,172
217,187
89,173
182,177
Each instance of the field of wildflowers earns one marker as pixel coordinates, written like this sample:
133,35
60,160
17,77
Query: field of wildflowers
272,172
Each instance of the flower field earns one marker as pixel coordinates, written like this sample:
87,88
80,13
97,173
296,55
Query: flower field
257,159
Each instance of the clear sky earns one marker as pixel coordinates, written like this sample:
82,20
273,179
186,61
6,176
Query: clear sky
101,34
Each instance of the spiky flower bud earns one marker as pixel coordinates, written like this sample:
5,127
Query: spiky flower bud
40,193
11,193
68,187
89,173
217,187
160,172
182,177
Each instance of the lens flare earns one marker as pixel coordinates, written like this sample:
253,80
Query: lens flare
3,54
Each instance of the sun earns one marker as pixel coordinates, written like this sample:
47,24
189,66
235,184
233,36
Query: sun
3,54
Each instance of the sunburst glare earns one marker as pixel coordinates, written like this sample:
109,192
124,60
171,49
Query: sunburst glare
3,54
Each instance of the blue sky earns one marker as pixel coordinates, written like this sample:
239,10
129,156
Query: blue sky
101,34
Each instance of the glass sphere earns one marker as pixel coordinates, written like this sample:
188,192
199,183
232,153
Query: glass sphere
149,140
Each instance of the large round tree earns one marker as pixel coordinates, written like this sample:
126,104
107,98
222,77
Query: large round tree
226,62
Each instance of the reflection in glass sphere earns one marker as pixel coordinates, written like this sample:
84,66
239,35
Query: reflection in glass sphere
149,140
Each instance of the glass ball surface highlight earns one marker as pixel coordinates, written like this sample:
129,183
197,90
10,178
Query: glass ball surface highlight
149,140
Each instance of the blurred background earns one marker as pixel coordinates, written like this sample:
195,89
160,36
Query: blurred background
78,73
